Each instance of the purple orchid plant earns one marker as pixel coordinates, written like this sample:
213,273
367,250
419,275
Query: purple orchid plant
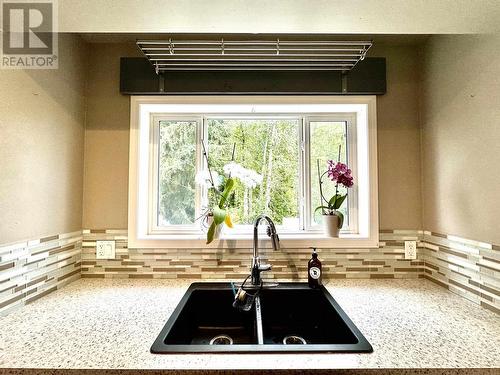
340,174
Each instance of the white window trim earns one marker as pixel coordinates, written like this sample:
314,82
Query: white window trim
142,107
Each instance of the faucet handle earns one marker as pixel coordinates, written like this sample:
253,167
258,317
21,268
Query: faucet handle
265,267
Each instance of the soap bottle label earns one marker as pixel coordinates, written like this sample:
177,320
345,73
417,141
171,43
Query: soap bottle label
315,273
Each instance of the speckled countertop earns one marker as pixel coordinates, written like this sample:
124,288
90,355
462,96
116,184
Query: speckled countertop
111,324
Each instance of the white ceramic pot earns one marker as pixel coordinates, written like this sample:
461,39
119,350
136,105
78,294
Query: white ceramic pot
218,229
331,225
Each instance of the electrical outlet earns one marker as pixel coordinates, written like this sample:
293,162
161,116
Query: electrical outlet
105,249
410,249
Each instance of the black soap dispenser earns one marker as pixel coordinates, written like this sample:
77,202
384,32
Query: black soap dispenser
314,271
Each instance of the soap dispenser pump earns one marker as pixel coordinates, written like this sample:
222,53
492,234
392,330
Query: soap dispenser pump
314,271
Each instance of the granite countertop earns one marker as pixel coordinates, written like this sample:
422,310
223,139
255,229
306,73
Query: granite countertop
111,324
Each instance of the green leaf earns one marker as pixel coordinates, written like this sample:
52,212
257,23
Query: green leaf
211,232
341,218
219,215
321,207
338,202
227,189
332,200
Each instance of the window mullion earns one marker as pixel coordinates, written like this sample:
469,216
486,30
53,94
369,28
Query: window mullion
154,157
352,161
305,181
200,164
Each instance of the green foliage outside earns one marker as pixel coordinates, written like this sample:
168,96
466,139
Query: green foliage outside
270,147
176,172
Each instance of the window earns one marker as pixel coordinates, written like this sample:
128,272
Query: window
285,143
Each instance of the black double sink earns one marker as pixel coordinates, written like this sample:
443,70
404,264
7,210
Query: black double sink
292,318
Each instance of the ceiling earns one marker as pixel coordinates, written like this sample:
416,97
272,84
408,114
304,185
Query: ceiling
381,39
369,17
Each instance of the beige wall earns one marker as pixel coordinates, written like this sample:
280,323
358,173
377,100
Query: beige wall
107,136
461,136
105,197
398,135
41,146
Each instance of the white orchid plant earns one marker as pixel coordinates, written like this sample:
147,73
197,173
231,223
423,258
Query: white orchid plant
220,186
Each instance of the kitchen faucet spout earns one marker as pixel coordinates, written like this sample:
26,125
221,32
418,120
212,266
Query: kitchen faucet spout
257,268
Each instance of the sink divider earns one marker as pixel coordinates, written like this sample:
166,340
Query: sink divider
258,321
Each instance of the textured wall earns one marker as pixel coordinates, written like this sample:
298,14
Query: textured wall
41,146
460,125
107,137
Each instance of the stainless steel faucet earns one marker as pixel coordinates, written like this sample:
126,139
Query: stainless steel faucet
257,268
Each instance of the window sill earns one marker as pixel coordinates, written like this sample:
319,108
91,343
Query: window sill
287,241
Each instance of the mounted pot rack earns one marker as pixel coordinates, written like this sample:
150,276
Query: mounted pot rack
221,54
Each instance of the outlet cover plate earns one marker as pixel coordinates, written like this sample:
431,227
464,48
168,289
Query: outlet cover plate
105,249
410,249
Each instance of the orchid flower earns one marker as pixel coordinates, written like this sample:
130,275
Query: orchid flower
340,174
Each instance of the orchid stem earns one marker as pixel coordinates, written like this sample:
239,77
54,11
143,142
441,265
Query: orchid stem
208,166
338,161
232,156
321,198
234,150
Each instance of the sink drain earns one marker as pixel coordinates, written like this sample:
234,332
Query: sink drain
294,340
221,340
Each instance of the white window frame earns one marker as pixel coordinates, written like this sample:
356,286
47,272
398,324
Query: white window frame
147,111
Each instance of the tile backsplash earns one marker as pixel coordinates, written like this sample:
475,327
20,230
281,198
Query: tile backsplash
468,268
387,261
31,269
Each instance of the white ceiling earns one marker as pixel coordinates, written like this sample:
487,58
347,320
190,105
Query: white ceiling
280,16
397,39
